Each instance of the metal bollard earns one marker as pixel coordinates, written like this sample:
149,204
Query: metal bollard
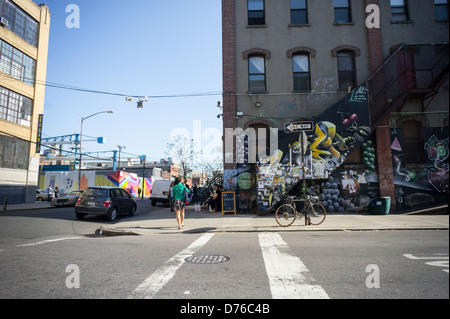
5,203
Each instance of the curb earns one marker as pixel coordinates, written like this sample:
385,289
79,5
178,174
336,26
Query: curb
203,230
24,209
107,232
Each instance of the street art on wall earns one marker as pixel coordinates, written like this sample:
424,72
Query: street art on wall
68,181
422,184
229,179
437,152
131,182
337,132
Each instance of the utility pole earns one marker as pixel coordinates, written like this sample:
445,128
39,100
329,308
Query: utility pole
143,159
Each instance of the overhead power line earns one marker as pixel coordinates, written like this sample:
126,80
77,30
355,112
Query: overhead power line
93,91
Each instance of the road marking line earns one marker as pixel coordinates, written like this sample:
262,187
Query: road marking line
48,241
425,257
440,260
288,276
149,288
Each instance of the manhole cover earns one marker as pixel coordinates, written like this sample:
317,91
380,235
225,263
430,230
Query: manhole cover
207,259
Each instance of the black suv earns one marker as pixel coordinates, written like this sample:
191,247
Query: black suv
105,201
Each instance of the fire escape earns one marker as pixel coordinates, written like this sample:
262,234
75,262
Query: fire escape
418,70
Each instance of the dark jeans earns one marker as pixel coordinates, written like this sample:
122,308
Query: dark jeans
212,203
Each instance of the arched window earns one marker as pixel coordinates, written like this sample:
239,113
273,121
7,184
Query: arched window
346,69
301,71
256,74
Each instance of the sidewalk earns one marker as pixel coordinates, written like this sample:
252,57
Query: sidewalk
163,221
150,220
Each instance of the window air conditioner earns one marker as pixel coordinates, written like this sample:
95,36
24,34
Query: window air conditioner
4,22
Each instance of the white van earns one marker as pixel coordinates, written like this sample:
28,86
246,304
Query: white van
160,191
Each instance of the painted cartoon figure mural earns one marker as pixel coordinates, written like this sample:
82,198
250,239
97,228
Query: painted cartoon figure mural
437,152
337,132
425,183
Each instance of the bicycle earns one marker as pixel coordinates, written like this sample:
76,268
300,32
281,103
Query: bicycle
287,213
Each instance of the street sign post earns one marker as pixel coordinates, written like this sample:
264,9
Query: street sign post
298,127
301,127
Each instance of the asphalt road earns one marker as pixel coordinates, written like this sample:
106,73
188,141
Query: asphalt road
44,254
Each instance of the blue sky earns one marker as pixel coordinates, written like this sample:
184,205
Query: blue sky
139,48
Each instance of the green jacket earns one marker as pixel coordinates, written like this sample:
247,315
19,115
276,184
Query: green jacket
178,191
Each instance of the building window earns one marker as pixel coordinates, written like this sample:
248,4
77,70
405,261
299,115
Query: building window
15,108
299,12
16,64
342,11
346,69
14,153
399,10
302,77
256,14
256,74
441,10
19,22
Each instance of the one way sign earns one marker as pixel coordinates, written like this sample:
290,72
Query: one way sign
298,127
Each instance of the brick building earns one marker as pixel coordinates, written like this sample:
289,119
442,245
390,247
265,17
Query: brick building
377,97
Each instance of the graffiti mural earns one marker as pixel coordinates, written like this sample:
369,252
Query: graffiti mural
425,183
337,132
131,182
68,181
437,152
324,141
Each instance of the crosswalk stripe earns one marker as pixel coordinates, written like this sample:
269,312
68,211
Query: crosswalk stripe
288,276
149,288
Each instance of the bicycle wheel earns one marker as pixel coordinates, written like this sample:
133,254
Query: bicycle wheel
316,214
285,215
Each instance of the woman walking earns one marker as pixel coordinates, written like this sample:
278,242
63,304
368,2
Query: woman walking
178,194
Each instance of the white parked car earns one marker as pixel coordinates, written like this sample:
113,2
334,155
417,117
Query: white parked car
42,195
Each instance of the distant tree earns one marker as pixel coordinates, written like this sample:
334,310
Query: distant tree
182,151
188,155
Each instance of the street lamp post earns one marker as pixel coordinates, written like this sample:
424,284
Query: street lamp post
81,140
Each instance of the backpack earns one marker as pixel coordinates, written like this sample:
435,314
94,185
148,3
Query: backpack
187,196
